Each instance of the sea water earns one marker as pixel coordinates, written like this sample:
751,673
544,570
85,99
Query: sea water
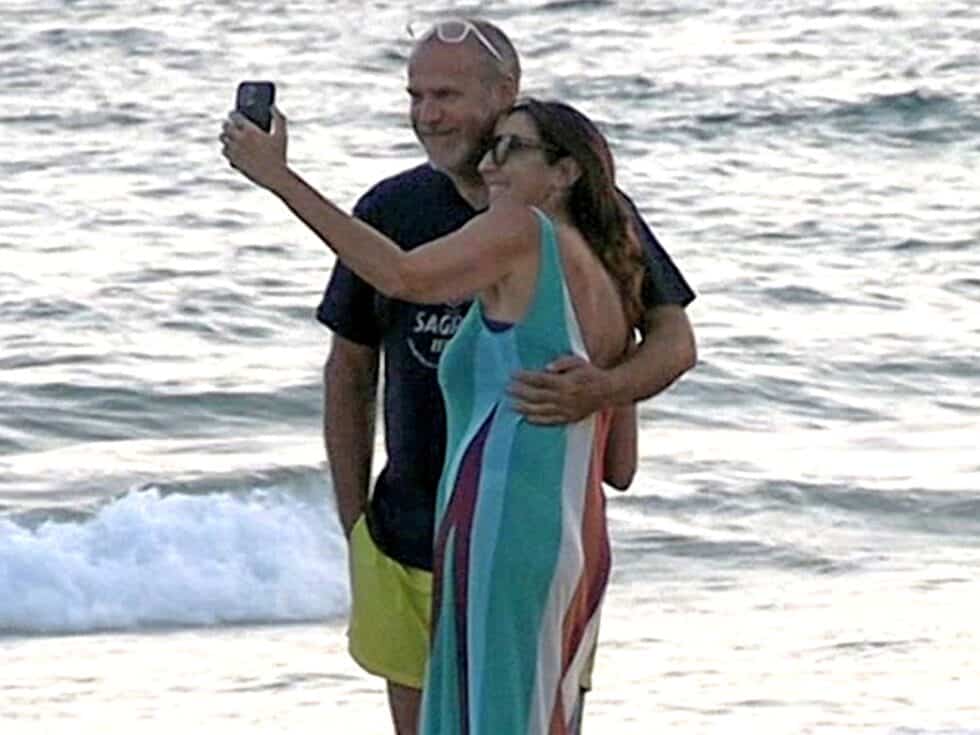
800,552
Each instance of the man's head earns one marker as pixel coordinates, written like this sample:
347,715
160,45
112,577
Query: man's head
462,75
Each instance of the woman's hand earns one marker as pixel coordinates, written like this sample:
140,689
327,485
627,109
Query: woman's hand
260,156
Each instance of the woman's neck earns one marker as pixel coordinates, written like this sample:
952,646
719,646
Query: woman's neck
557,211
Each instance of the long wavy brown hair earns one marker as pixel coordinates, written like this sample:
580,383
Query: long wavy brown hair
596,206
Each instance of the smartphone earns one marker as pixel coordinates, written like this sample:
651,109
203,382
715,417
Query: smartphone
254,100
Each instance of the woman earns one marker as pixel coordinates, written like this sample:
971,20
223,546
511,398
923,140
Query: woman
522,556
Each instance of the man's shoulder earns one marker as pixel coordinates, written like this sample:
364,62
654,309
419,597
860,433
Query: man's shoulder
419,181
414,206
663,282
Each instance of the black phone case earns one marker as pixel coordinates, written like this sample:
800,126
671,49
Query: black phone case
254,100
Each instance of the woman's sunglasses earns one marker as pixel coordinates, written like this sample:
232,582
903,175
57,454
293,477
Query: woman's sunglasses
501,146
454,30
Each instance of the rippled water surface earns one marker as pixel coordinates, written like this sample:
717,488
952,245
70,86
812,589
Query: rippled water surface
800,551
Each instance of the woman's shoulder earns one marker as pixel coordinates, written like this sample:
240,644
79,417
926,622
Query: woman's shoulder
597,301
506,219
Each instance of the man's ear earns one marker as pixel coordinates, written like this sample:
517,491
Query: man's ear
506,91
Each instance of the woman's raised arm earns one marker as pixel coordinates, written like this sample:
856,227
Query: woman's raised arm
457,266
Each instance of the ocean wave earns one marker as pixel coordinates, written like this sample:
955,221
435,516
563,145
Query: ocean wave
799,295
82,38
803,504
565,5
65,396
912,116
909,102
735,551
45,308
917,245
149,559
968,287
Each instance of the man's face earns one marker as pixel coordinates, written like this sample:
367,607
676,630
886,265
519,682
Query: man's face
453,106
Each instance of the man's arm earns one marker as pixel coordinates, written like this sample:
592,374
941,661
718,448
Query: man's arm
350,386
620,458
572,388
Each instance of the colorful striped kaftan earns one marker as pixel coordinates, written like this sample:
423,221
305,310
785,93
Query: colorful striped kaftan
521,550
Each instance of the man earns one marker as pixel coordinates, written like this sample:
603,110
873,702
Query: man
462,75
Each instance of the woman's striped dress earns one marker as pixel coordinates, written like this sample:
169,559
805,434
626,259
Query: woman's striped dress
522,554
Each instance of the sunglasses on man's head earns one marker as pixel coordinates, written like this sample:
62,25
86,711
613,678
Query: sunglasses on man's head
501,146
454,30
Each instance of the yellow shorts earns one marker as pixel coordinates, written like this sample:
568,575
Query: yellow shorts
391,604
390,612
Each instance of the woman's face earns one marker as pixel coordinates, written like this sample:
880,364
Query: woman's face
517,163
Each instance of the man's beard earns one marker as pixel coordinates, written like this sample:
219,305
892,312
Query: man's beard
469,164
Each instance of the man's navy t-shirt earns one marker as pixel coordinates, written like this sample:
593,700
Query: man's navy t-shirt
413,208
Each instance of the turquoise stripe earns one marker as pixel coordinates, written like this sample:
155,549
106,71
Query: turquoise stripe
524,563
498,350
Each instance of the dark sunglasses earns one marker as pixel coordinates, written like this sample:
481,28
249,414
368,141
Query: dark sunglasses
501,146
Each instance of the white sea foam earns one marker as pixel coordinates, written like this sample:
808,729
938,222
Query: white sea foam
147,560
